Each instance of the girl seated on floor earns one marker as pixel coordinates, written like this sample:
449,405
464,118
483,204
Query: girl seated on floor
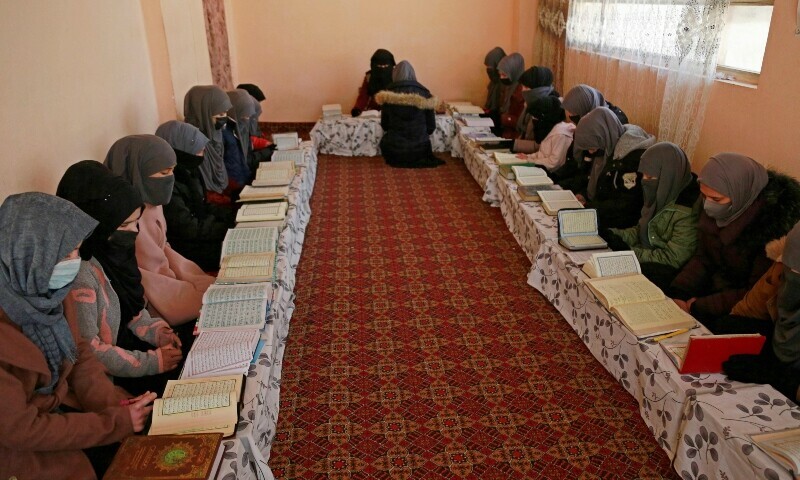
537,82
511,69
613,186
666,235
745,206
43,356
376,79
582,99
107,298
173,285
553,136
236,137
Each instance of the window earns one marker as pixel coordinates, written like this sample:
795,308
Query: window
744,40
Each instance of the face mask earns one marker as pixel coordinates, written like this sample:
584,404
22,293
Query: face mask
158,190
506,81
649,188
220,123
123,239
575,119
64,273
717,211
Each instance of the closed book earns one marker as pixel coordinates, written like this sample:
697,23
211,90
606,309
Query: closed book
167,457
705,354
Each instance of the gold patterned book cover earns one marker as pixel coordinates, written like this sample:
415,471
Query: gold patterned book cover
173,457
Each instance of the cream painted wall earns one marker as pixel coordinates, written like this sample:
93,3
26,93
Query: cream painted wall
75,77
764,122
306,53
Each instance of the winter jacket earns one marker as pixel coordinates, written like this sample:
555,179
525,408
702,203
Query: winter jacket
365,101
729,260
408,120
37,441
552,152
510,117
672,231
761,301
235,159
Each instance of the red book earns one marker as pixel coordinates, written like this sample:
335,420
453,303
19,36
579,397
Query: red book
705,354
167,457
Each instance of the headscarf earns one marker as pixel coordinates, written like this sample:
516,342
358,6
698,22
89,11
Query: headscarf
495,88
547,113
252,90
243,106
110,200
404,72
599,129
182,136
380,78
38,231
514,66
668,164
736,176
255,128
786,340
199,105
136,157
537,77
582,99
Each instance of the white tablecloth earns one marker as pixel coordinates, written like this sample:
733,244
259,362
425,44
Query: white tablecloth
361,137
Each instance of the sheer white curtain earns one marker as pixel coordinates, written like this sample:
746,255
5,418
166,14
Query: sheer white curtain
656,59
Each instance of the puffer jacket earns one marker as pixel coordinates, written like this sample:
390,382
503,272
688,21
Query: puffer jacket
761,301
672,231
408,120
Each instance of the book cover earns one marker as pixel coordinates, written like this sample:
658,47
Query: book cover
705,354
178,457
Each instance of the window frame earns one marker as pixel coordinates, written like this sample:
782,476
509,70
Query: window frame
735,75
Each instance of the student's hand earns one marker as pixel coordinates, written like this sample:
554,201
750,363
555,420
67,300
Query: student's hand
522,156
581,199
684,305
166,336
139,409
170,357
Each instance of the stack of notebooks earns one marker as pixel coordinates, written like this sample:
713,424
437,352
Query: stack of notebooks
273,174
331,111
248,255
555,200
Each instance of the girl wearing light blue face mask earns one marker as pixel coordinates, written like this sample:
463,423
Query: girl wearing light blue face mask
42,355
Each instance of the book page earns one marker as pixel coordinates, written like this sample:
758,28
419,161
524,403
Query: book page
507,158
577,222
616,263
251,193
626,289
172,406
523,171
295,156
653,317
252,212
249,260
273,177
784,446
558,196
191,388
250,240
244,313
235,293
245,274
468,109
217,350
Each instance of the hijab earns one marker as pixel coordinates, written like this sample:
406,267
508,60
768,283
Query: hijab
514,66
253,90
380,77
600,129
404,72
786,340
243,106
582,99
110,200
38,231
259,97
136,157
199,105
547,113
736,176
182,136
668,164
495,88
255,128
535,77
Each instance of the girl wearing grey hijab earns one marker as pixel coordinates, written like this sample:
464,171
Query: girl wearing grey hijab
205,107
242,111
735,176
494,94
146,161
511,68
666,236
582,99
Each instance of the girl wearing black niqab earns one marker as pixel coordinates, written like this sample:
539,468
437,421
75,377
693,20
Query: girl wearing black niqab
376,79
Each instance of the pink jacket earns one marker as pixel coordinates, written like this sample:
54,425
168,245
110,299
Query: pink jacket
173,285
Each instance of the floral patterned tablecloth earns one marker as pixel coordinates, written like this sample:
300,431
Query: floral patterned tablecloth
361,137
247,453
483,169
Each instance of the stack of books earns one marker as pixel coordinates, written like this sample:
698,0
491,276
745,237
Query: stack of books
331,111
248,255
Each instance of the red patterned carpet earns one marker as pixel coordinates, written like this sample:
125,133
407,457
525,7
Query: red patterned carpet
418,351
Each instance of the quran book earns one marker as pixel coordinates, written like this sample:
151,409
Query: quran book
705,354
639,304
608,264
469,110
502,158
286,141
296,156
555,200
218,352
235,293
244,314
473,121
249,240
506,172
467,131
333,110
271,174
279,224
167,457
488,144
256,194
260,212
247,268
198,405
528,176
577,229
370,114
783,446
530,193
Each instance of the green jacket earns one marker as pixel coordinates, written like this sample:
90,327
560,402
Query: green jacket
672,231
